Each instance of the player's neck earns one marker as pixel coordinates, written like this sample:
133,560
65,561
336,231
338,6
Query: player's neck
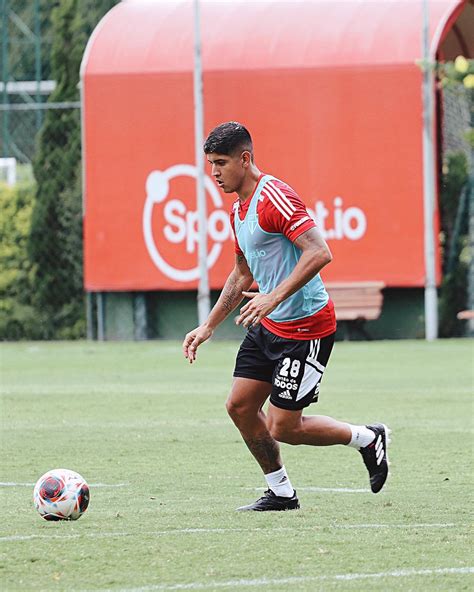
249,184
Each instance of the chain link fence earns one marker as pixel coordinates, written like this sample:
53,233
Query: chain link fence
42,42
26,75
457,208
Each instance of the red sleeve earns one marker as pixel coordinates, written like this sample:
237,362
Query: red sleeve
237,249
282,210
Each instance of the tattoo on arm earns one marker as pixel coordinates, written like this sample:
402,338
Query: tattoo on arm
230,297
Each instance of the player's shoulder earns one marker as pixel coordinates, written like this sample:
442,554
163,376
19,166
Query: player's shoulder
280,185
278,195
275,189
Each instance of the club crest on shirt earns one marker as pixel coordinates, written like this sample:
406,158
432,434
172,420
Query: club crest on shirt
252,221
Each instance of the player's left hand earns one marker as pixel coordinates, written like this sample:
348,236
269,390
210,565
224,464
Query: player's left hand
259,306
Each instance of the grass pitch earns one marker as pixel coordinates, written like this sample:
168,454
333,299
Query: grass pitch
167,468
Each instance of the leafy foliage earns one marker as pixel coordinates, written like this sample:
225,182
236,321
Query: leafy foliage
18,317
454,205
454,240
459,71
55,243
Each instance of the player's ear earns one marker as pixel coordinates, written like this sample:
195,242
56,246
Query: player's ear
246,158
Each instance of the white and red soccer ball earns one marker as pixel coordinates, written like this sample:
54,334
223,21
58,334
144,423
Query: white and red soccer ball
61,494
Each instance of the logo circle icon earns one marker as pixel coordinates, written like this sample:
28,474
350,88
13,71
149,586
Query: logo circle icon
157,190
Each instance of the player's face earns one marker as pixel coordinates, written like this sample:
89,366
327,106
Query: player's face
228,171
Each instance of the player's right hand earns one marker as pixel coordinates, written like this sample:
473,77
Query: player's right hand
193,340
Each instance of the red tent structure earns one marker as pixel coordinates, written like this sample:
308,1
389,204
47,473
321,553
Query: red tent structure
331,92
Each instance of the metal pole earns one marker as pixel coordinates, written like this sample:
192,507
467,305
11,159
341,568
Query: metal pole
470,197
5,42
40,106
90,332
470,283
140,317
203,297
37,27
100,317
89,316
431,298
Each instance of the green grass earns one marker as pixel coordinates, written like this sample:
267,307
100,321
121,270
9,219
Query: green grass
139,415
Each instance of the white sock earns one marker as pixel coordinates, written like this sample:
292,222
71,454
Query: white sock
361,436
279,483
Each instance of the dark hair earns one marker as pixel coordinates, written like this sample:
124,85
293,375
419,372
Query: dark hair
228,138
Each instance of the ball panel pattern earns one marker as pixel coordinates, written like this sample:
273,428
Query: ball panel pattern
61,494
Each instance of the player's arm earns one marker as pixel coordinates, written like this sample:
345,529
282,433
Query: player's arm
315,255
239,280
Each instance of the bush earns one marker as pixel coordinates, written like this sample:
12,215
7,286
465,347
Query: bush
18,317
55,238
454,242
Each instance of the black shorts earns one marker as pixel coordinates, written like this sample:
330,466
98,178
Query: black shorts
293,367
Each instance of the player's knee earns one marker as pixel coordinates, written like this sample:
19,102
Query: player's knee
230,407
236,409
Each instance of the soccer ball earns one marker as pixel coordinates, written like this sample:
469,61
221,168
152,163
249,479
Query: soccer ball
61,494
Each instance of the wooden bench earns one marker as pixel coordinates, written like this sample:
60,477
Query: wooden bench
355,303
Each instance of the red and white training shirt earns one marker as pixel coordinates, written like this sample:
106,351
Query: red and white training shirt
281,210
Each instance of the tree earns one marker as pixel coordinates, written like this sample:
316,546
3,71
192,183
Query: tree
55,244
456,191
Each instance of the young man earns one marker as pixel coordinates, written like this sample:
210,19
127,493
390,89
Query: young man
290,322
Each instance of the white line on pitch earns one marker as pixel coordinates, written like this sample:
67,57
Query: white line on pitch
89,535
334,490
399,573
321,489
311,489
108,484
13,484
160,533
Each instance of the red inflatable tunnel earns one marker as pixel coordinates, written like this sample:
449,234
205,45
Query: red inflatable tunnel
331,92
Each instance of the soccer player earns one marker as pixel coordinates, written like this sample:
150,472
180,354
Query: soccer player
290,322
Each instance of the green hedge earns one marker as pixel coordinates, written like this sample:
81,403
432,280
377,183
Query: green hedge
18,318
23,314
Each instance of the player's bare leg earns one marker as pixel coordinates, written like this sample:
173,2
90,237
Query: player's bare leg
318,430
244,405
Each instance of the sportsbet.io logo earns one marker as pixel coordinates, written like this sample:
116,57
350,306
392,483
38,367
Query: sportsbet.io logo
170,222
178,222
